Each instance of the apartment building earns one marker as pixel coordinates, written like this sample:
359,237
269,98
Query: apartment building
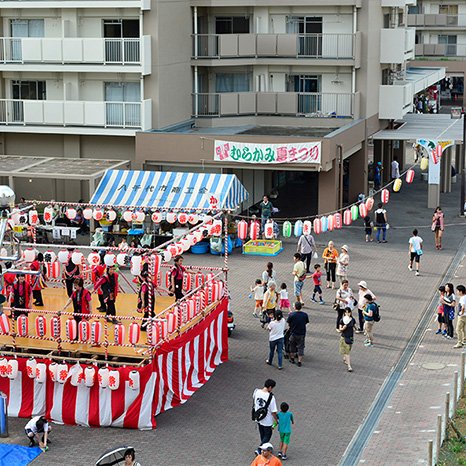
159,81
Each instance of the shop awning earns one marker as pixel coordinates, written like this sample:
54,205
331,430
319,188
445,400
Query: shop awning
169,190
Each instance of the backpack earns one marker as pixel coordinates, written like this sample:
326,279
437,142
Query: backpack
260,414
376,313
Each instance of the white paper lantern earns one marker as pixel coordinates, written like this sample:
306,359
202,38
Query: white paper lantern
93,258
3,367
109,260
71,213
31,365
77,258
111,215
182,218
103,375
89,376
205,218
50,257
307,227
139,216
192,240
193,219
128,216
40,372
98,214
186,244
167,255
63,256
87,213
198,235
48,214
216,229
136,265
113,380
157,217
53,370
133,380
12,369
29,255
121,258
3,252
76,374
33,217
62,373
171,217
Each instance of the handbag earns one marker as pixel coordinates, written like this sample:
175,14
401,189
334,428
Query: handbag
260,414
419,252
336,306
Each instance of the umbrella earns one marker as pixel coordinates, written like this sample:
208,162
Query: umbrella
113,456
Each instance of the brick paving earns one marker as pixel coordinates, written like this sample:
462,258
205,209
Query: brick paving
214,426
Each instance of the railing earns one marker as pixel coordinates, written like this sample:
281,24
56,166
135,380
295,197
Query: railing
71,113
309,104
436,20
323,46
441,50
122,51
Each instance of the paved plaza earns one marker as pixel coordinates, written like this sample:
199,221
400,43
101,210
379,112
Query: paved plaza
329,404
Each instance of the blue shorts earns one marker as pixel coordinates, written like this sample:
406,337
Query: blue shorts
298,287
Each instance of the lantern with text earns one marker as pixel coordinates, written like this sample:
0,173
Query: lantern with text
362,210
102,376
93,258
77,374
354,213
298,228
87,213
317,226
307,227
268,230
397,185
40,372
128,216
98,214
183,218
254,229
48,214
338,221
385,196
171,217
41,326
185,244
199,279
410,176
187,282
33,217
89,376
369,203
121,258
156,216
331,222
193,219
22,324
110,215
138,216
110,260
242,230
12,369
84,330
29,255
179,248
53,369
96,332
71,329
31,365
113,380
119,334
77,258
167,255
347,217
216,229
70,213
49,257
134,333
55,327
3,367
133,380
287,229
171,322
62,373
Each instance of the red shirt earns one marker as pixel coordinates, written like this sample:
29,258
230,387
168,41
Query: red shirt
316,278
81,301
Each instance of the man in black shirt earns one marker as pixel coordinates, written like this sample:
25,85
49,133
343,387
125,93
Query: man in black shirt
297,322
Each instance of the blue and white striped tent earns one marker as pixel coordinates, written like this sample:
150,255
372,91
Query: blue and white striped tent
169,190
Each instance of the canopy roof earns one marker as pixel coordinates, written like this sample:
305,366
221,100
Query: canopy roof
169,190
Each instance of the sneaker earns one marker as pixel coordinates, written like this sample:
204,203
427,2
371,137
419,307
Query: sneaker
384,241
284,457
280,368
350,369
299,364
322,302
410,268
444,333
417,273
255,315
268,362
292,361
449,337
438,331
313,299
358,331
367,343
32,443
458,345
279,454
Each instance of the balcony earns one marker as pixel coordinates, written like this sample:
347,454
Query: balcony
74,114
306,104
397,3
439,21
441,50
77,54
296,46
139,4
397,45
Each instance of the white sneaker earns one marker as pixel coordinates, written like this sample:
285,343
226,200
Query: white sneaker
417,273
410,268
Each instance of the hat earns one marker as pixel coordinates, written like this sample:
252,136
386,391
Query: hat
346,320
345,247
266,446
379,163
362,284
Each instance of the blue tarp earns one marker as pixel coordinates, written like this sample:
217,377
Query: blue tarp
17,455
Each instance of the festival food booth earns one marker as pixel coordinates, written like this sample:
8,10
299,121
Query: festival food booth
97,373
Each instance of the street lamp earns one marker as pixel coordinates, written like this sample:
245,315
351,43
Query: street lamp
456,113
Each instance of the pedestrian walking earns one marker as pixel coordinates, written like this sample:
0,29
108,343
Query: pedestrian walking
20,295
461,322
266,456
71,271
81,299
284,299
438,226
363,290
343,263
258,290
449,303
346,329
269,304
276,328
415,251
343,299
307,248
176,278
299,273
442,326
378,176
330,256
264,411
395,168
109,286
37,431
381,223
297,322
266,208
317,279
368,228
285,420
37,265
268,274
369,319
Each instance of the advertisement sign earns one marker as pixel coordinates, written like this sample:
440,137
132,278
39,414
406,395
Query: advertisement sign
435,150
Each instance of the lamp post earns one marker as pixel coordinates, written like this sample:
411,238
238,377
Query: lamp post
456,113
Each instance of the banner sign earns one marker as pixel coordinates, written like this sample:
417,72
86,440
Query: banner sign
301,152
435,150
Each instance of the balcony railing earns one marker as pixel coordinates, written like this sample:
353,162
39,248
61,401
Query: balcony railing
75,113
437,21
324,46
309,104
441,50
103,51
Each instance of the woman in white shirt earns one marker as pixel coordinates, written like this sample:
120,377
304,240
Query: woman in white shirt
342,264
276,328
343,299
415,251
268,275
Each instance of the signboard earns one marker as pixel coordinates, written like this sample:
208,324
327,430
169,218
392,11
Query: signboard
245,152
435,150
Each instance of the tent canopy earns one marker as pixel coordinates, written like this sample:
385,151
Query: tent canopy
169,190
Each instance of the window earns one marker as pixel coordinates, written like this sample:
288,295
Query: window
122,92
28,90
27,27
119,28
304,25
448,9
123,104
232,82
232,25
450,44
118,50
308,87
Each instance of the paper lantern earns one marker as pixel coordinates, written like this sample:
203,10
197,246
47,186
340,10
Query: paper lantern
338,221
89,376
110,215
93,258
171,322
254,230
3,367
217,290
286,229
29,255
49,257
55,327
41,326
410,176
96,332
216,229
397,185
268,230
198,280
134,333
307,227
242,230
179,248
63,256
119,334
424,163
206,218
12,369
199,235
324,223
114,380
183,218
71,213
40,372
133,380
53,370
77,258
155,334
48,214
317,226
121,258
128,216
84,330
185,244
31,365
156,217
22,325
192,239
167,255
362,210
102,376
77,375
87,213
136,265
71,329
298,228
369,203
171,217
354,212
193,219
385,196
33,217
98,214
347,217
190,306
110,260
331,222
187,282
173,250
23,218
182,310
139,216
62,373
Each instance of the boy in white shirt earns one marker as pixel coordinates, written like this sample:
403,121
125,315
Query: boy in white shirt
258,291
36,428
415,251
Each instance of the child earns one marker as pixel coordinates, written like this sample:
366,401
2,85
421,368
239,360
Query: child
440,315
368,228
258,290
316,277
284,301
285,419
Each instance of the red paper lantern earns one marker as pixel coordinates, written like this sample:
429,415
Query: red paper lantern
84,330
254,230
183,218
347,217
199,279
171,322
369,203
4,324
55,327
268,230
138,216
242,230
191,306
161,330
41,326
410,176
187,282
98,214
119,334
96,332
22,324
156,217
338,221
362,210
71,329
317,226
385,196
134,333
93,258
330,223
216,228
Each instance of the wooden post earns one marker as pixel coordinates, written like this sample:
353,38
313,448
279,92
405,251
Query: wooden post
430,453
455,392
463,361
447,414
438,443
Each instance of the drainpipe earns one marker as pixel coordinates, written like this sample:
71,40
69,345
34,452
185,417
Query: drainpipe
353,70
196,74
340,182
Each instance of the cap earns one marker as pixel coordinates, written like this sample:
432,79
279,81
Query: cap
345,247
379,163
362,284
266,446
